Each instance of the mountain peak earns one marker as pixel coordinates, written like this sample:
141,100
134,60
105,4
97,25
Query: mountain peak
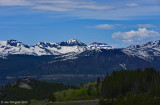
46,44
72,42
145,51
97,45
146,45
13,42
154,43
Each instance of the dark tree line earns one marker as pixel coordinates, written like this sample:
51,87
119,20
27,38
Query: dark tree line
131,85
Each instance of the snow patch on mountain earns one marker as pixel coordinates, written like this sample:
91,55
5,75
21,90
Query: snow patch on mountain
98,46
123,66
145,51
74,46
14,47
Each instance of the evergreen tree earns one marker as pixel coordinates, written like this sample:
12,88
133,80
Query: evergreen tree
52,98
98,81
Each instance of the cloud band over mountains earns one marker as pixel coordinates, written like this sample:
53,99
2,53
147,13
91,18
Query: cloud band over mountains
91,9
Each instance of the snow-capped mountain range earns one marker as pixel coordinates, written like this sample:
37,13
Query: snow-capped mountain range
12,47
74,47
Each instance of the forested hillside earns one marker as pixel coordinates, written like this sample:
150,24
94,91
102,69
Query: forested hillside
136,87
27,89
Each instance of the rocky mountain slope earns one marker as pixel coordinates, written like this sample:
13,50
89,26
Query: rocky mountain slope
145,51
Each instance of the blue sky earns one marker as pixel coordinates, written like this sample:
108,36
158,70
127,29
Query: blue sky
119,23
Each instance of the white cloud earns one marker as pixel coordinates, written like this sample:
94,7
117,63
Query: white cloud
103,26
57,5
90,9
143,26
113,26
14,3
132,5
134,37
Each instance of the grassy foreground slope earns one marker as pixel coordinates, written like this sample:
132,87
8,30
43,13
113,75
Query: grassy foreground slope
89,91
87,94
